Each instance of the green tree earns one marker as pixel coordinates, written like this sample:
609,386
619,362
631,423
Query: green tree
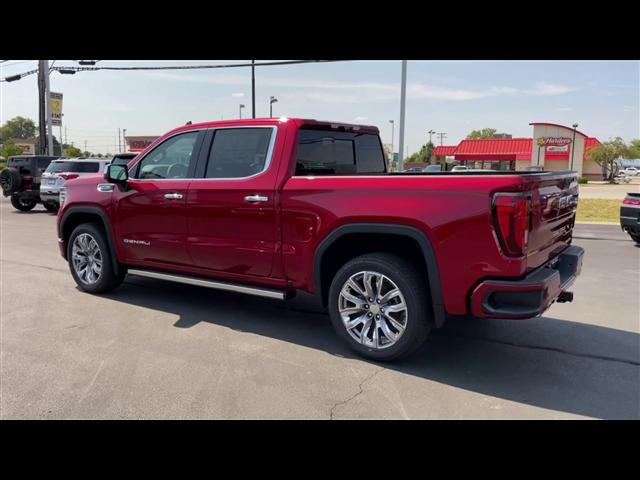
72,151
423,155
484,133
607,155
9,149
634,148
17,127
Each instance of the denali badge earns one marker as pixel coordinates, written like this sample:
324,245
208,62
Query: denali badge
136,242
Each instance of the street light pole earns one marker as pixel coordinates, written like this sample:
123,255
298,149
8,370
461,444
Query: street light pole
573,144
431,132
272,100
393,127
241,107
253,89
403,98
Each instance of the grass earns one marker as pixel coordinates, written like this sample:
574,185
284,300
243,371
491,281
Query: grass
598,210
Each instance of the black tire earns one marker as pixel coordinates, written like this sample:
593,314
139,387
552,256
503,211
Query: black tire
11,181
635,238
414,290
107,280
52,207
23,204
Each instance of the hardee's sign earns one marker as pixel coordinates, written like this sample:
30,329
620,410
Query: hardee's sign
553,141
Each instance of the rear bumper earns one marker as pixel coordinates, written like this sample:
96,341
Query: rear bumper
531,295
630,219
47,196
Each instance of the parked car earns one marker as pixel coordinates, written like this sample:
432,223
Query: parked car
630,216
459,168
21,180
238,206
433,168
414,170
123,158
630,171
60,171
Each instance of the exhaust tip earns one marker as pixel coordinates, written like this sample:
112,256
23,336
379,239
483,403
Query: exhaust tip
565,297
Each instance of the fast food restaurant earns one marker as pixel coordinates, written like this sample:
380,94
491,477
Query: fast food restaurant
552,147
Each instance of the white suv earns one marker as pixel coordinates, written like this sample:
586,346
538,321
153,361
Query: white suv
59,171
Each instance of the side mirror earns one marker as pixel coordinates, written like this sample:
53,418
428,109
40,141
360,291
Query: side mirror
117,174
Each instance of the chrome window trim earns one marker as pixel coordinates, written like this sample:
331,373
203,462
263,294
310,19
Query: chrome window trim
268,159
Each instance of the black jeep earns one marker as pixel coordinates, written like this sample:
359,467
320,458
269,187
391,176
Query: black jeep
21,180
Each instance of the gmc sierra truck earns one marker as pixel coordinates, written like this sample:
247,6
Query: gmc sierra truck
275,207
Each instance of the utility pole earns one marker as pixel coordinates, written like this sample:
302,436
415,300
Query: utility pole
124,139
85,146
442,135
573,144
66,137
119,144
403,98
431,132
47,95
42,108
253,88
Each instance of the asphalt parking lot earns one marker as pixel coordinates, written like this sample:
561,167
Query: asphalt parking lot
159,350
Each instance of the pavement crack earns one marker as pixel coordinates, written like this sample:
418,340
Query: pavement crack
549,349
360,391
33,265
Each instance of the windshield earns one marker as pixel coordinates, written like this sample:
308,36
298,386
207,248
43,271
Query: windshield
76,167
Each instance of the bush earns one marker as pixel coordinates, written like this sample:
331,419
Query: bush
582,180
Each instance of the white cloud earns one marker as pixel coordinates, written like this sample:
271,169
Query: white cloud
361,119
564,109
237,94
547,89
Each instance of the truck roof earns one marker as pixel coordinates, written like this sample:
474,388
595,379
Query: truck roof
302,122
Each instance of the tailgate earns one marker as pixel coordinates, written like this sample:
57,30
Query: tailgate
554,200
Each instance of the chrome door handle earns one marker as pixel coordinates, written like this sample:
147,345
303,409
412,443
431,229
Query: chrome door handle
256,198
173,196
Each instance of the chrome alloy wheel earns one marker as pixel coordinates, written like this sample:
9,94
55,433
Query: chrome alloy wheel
373,309
86,258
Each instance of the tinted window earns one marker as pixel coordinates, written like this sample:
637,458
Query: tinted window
238,152
122,160
170,159
324,152
76,167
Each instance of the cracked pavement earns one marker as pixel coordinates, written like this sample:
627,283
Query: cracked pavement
153,349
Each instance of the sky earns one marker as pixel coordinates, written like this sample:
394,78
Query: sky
454,97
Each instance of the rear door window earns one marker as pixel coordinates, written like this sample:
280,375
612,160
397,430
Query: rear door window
325,152
75,167
238,152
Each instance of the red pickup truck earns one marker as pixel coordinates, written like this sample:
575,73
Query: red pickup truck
274,207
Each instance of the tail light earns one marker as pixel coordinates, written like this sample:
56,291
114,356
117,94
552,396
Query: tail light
68,176
631,201
512,214
62,196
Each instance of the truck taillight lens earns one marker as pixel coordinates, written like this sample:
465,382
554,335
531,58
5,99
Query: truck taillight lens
631,201
68,176
62,197
512,212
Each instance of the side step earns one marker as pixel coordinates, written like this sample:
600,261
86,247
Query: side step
200,282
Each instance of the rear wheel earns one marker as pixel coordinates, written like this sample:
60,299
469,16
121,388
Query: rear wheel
23,204
378,304
90,260
635,238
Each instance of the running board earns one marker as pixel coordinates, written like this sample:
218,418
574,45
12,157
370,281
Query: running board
230,287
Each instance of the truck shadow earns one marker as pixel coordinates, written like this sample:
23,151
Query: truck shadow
548,363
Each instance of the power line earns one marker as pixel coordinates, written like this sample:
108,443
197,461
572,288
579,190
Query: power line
73,70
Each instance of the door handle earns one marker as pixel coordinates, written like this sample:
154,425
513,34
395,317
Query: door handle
173,196
256,198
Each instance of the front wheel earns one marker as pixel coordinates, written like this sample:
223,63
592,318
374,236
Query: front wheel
379,306
52,207
23,204
90,260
